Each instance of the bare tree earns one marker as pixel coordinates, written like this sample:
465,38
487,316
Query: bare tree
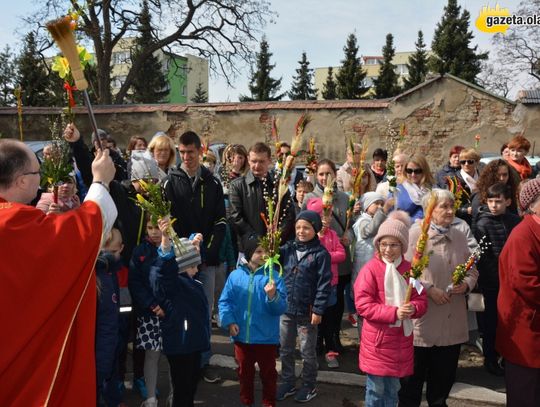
497,78
222,31
519,48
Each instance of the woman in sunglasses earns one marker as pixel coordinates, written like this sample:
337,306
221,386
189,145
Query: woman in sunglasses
468,178
417,183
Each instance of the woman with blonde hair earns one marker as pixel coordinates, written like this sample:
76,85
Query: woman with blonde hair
163,150
417,183
467,178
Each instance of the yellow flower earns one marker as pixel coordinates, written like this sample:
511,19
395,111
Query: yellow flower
61,65
143,184
140,198
84,56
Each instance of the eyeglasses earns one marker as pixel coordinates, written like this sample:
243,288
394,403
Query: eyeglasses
389,245
470,162
414,170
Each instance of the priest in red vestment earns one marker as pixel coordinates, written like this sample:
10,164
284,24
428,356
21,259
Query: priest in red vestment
48,285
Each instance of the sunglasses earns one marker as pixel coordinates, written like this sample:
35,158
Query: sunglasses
414,170
470,162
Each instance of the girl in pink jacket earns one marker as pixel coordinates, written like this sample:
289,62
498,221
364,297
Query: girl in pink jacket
386,346
331,321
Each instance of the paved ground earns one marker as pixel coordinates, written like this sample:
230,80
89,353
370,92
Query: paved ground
225,394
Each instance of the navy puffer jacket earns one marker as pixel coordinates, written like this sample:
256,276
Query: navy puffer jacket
496,230
185,327
308,279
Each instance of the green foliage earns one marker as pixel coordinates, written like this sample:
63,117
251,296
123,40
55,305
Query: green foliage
329,91
417,65
32,75
302,86
386,85
350,78
261,85
57,166
149,83
7,77
200,95
452,45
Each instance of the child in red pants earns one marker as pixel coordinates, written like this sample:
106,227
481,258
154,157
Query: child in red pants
250,306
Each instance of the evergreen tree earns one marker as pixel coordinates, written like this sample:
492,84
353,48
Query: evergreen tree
261,85
200,95
32,75
7,77
386,85
302,86
451,45
350,78
149,84
329,91
417,65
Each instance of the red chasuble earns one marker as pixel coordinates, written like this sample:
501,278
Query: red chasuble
48,305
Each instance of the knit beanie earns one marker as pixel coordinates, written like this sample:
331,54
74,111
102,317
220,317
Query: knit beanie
370,198
249,245
312,217
397,225
315,205
143,166
530,191
191,256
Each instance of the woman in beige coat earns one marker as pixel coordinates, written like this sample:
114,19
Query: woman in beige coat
438,335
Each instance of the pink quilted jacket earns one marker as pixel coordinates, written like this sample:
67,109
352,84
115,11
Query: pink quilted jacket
330,241
384,350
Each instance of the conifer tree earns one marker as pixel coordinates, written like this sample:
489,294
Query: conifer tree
302,86
200,95
329,91
386,85
149,84
32,75
7,77
452,45
261,85
417,65
350,78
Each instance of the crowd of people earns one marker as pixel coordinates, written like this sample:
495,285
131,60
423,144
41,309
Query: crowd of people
121,269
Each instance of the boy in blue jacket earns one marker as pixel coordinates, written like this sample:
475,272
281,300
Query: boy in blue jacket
307,274
250,306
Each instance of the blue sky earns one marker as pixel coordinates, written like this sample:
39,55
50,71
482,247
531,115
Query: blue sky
318,27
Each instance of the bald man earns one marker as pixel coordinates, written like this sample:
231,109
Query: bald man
48,286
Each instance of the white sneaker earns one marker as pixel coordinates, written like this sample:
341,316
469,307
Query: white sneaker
150,402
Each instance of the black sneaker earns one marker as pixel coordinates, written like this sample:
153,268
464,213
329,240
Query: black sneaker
305,394
210,375
493,367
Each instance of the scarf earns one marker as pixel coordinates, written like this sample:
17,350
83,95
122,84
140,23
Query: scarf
438,229
395,289
415,192
380,173
524,169
194,179
470,181
303,247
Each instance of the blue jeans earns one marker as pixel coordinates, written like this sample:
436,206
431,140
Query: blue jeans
207,276
381,391
290,327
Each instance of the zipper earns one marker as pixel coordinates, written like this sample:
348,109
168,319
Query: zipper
210,242
250,295
202,195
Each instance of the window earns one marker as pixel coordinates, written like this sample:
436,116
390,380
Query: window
118,81
184,90
121,57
